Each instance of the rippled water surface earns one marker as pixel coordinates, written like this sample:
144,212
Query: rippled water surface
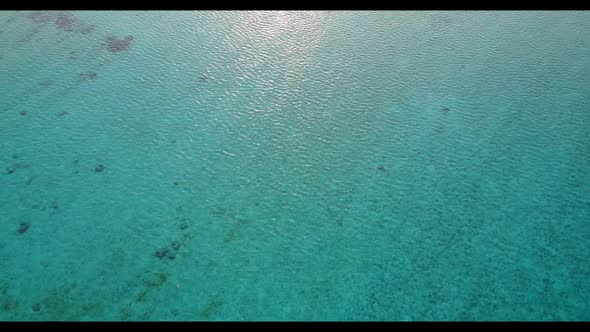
294,165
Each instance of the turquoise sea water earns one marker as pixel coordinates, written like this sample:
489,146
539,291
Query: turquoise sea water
294,165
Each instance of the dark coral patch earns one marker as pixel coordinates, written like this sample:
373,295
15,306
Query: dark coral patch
23,227
99,168
115,44
39,17
161,253
21,164
86,30
30,180
88,75
36,307
65,22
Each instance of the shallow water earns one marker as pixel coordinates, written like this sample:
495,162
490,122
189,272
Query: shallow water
306,165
